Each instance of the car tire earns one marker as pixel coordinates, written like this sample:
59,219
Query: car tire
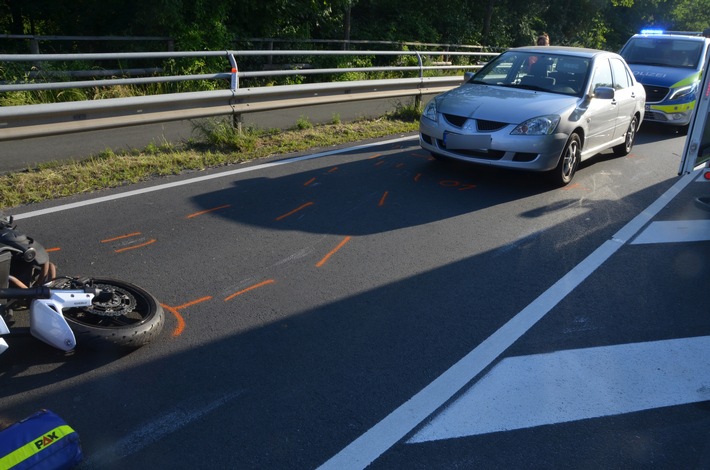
569,161
624,149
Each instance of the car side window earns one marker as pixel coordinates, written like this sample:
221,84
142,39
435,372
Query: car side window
621,75
602,75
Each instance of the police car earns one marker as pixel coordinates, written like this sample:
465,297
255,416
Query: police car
669,65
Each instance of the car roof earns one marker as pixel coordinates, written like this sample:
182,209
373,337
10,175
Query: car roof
564,50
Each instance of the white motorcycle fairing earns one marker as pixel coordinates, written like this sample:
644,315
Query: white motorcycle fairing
4,330
47,322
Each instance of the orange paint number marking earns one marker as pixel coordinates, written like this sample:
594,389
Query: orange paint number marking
255,286
294,211
382,199
333,251
121,237
133,247
207,211
180,320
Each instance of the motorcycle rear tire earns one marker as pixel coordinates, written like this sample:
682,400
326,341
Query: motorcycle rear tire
101,327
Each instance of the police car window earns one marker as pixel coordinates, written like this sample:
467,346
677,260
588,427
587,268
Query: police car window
602,75
667,52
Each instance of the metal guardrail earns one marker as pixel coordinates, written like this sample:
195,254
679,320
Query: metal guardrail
17,122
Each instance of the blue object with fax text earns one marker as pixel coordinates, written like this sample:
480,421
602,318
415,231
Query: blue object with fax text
42,441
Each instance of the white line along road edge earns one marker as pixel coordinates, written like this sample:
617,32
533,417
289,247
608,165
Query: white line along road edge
199,179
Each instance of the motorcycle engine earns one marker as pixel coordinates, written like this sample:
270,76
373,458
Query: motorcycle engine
27,254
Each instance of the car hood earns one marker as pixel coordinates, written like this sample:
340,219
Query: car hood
497,103
660,76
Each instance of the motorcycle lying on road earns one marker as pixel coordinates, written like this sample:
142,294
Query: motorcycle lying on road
66,312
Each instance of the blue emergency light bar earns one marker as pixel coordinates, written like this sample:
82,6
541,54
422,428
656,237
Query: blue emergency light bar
652,31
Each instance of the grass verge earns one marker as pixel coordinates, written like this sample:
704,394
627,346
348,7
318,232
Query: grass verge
220,144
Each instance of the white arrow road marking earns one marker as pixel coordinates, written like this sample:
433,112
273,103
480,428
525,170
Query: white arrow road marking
528,391
675,231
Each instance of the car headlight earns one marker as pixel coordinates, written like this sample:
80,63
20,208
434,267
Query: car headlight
684,91
430,110
542,125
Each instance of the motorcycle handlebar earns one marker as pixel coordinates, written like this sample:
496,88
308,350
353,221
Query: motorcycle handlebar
41,292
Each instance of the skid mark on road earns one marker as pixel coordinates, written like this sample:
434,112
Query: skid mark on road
130,245
157,429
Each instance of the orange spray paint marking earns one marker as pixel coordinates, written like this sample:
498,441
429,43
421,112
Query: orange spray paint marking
180,320
399,165
121,237
333,251
374,156
382,199
418,177
294,211
207,211
309,181
335,168
379,163
50,250
255,286
133,247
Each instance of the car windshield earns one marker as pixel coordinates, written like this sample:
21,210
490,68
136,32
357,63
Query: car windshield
554,73
665,52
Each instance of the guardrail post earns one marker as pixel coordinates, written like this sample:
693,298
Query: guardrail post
237,122
234,83
418,98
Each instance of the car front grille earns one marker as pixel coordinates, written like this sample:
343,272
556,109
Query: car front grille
654,94
455,120
481,125
490,126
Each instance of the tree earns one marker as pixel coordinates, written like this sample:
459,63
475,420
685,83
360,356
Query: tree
692,15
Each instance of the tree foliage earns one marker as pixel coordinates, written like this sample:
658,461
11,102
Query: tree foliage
215,24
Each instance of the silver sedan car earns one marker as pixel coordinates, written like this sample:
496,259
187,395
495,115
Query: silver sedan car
543,108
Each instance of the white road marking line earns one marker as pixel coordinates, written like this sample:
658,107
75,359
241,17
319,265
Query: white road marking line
565,386
200,179
394,427
674,231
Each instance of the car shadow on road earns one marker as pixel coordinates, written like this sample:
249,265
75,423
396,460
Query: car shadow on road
392,189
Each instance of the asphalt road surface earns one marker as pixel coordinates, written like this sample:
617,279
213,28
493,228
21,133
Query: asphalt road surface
370,306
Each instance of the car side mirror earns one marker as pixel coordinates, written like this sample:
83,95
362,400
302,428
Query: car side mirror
604,93
467,76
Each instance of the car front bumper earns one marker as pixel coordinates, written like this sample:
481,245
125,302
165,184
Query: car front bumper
675,115
499,148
